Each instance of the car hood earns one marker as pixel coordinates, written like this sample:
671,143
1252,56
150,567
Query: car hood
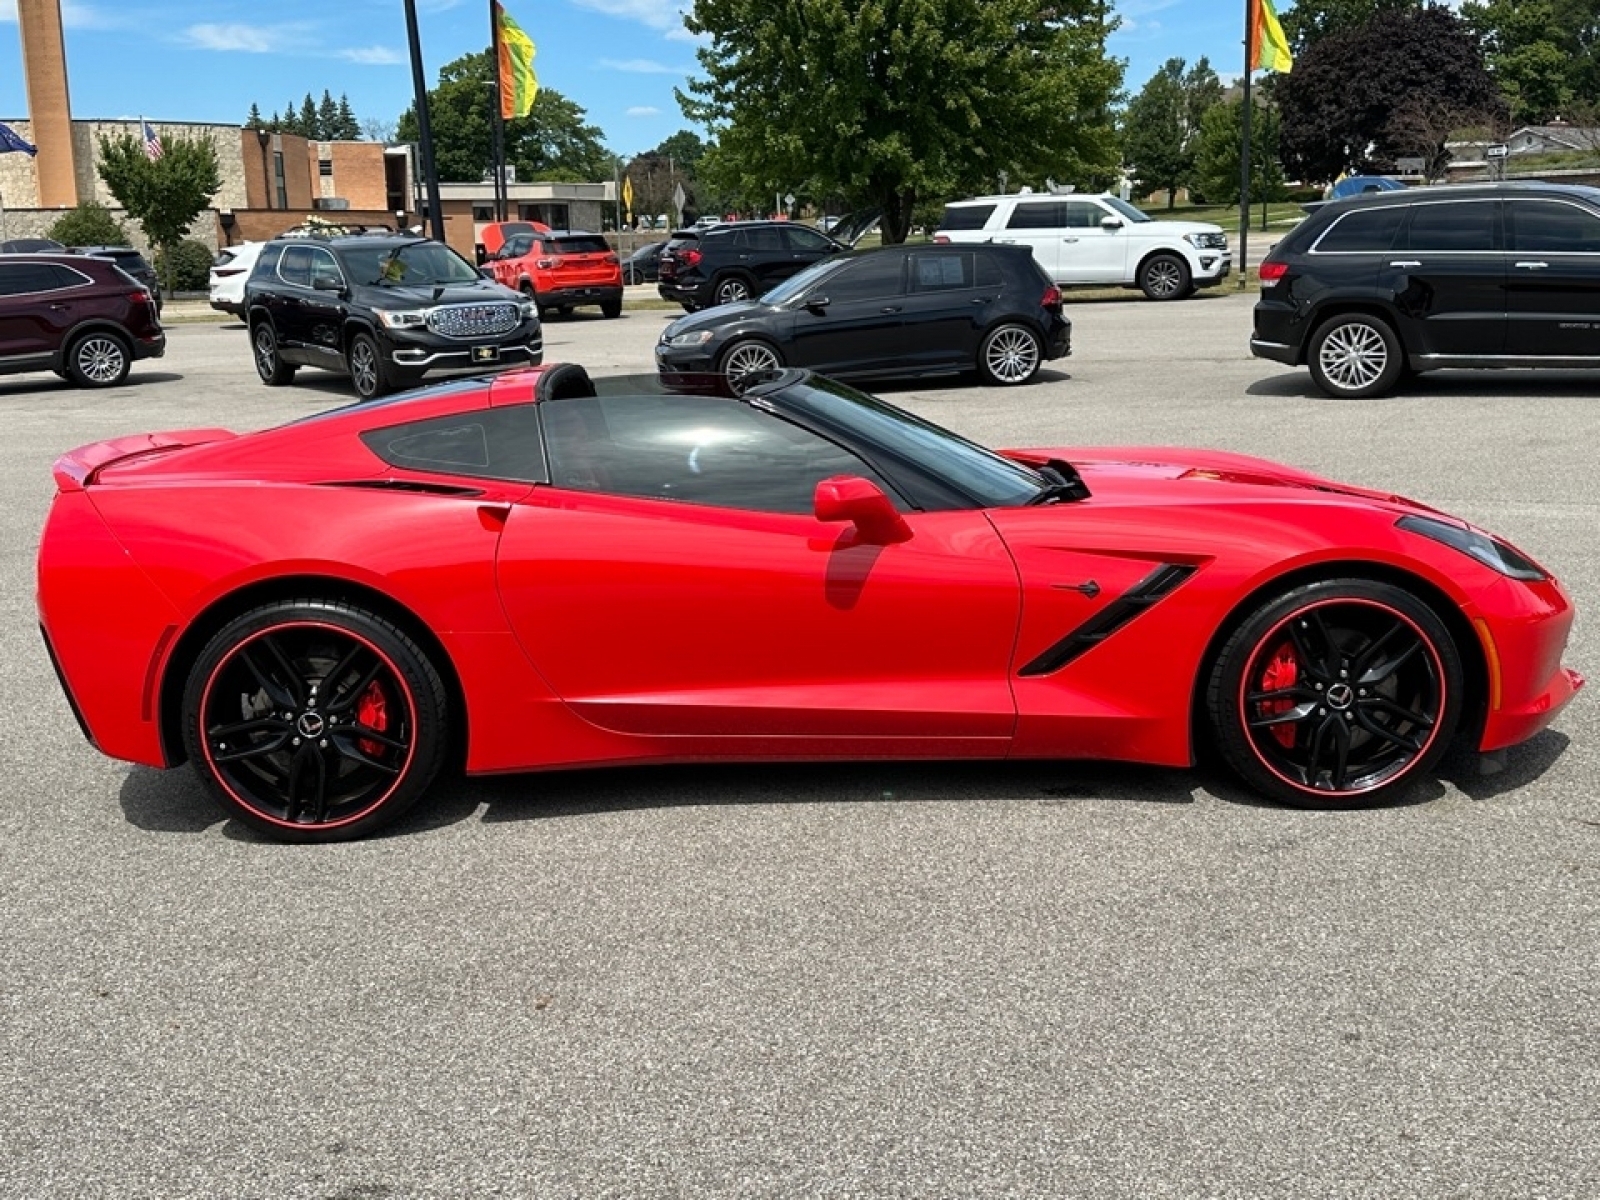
718,317
1174,475
397,296
1179,228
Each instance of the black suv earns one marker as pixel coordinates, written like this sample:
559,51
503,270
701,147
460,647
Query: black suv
81,317
1368,289
383,309
131,261
702,267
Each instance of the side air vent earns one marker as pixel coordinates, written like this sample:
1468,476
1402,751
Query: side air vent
406,485
1161,582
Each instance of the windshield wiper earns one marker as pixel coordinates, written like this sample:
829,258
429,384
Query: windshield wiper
1061,482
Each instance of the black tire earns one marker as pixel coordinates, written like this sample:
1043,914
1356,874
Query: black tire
749,357
98,359
1355,355
611,309
730,289
1338,694
564,310
1010,354
369,374
1165,277
314,720
270,366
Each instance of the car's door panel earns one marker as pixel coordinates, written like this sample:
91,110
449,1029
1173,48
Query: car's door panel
1552,279
860,328
1448,279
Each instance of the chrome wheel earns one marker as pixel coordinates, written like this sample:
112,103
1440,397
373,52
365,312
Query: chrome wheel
1353,356
732,290
99,360
748,359
1164,278
1010,355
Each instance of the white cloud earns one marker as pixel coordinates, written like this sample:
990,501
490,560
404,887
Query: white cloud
73,15
657,14
643,110
251,39
642,66
372,56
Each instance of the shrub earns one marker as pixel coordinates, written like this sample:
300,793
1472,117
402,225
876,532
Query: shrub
90,224
190,266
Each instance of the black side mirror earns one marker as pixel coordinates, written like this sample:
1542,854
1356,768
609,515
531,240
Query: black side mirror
322,283
817,304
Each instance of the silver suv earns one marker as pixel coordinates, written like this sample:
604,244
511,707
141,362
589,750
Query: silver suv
1096,241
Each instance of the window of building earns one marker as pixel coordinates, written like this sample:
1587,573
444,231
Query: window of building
281,184
483,212
325,167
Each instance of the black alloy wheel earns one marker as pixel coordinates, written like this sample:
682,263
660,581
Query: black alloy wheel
314,721
1337,694
270,366
730,289
368,373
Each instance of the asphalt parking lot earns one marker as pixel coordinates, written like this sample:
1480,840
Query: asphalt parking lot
1026,980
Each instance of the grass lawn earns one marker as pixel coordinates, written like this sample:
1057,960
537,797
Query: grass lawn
1280,214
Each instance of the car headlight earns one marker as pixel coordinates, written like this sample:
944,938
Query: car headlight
527,309
695,337
1474,543
411,318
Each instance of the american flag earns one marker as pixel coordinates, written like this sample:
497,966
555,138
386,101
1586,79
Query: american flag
152,141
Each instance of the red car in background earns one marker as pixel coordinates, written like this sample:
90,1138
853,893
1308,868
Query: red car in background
541,570
560,269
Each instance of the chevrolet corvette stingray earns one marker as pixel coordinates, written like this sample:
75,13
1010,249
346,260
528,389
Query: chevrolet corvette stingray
545,570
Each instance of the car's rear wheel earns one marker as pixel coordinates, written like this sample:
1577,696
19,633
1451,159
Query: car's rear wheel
98,359
1164,277
730,289
1355,355
744,359
611,309
1336,694
314,720
368,374
270,366
1009,355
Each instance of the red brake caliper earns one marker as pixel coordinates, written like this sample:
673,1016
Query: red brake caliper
1280,673
372,711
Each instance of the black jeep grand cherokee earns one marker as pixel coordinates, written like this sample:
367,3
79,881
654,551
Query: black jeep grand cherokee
383,309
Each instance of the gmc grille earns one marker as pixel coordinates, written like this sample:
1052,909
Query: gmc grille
474,320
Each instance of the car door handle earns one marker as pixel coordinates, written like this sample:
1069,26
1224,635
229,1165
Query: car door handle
1069,239
983,300
1533,266
1407,262
890,308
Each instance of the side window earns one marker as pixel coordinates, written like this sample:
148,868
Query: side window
766,240
518,246
1552,227
1366,231
874,277
966,216
323,267
27,278
989,274
1083,214
805,241
295,266
1041,214
1459,225
692,449
940,272
497,443
267,262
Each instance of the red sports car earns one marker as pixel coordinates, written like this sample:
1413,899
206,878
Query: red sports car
548,571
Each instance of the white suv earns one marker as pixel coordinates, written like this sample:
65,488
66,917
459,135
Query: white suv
229,271
1096,241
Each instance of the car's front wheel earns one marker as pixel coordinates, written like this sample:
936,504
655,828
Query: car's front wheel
368,373
98,359
1355,355
1164,277
1336,694
745,359
270,366
314,720
1010,355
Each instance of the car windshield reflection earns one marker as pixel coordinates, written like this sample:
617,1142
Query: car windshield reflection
415,264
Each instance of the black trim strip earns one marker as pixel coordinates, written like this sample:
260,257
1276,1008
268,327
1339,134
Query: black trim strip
420,486
1157,585
61,678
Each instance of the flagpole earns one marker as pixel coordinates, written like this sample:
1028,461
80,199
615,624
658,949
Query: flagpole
502,191
1244,146
419,85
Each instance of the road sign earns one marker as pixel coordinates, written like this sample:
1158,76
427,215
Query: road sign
1498,151
788,200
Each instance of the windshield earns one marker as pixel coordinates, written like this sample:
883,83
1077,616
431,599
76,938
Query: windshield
414,264
795,284
1127,210
990,480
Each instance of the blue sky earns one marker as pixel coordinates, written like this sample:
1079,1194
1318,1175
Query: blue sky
208,60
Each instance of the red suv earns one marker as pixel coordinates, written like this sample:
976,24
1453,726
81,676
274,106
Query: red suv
560,269
83,318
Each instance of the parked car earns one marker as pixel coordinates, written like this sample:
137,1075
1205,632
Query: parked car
561,269
32,246
1096,241
1355,185
383,309
1368,289
702,267
896,311
590,572
131,261
230,271
78,315
643,265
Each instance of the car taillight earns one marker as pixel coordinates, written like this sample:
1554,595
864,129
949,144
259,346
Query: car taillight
1271,272
610,259
547,264
222,272
1052,297
139,297
688,258
940,239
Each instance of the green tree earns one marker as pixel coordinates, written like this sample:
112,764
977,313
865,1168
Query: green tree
254,120
164,195
1163,121
346,127
1309,21
327,117
90,224
892,103
307,126
1217,166
1536,60
1341,105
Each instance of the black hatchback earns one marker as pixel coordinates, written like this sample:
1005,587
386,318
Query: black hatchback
1368,289
895,311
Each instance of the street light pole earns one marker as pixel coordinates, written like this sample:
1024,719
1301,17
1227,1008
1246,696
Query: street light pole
419,85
